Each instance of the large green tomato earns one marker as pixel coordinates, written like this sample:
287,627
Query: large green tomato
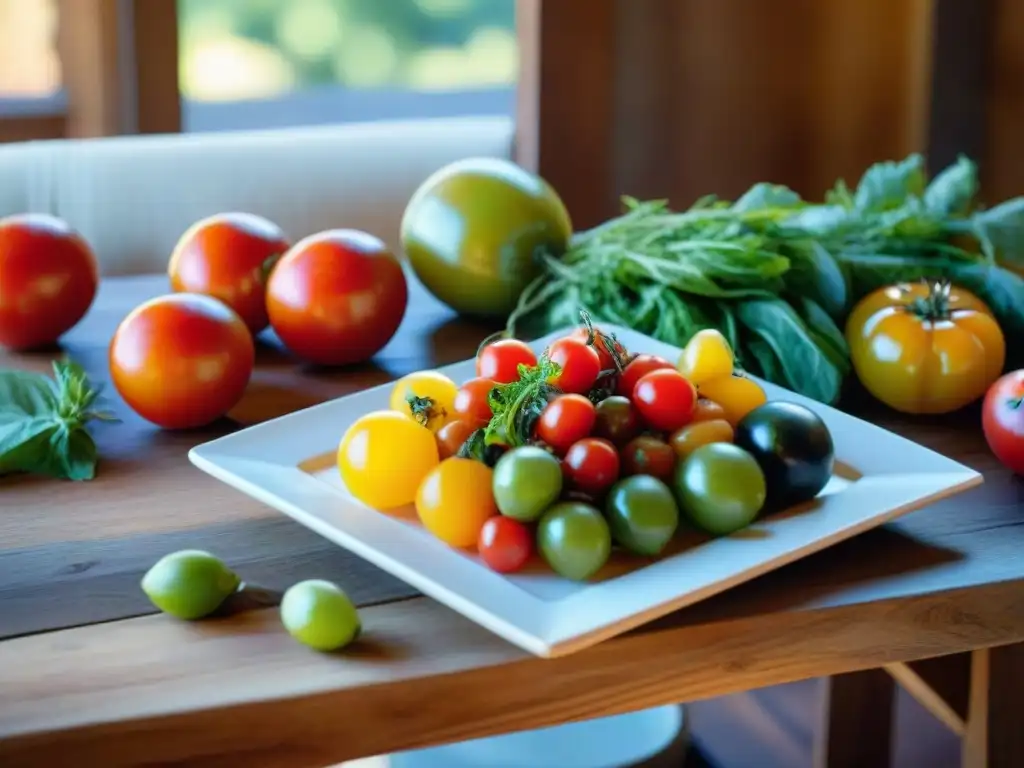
720,488
471,230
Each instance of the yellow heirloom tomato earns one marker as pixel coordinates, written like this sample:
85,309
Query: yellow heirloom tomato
706,356
925,347
427,397
384,456
736,394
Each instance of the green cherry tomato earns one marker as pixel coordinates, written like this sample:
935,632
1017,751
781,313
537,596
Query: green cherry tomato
527,480
642,514
472,229
189,584
574,539
319,614
720,488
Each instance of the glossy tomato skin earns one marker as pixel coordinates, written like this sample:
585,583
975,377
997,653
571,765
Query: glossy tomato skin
48,280
471,401
591,465
229,256
919,350
637,368
181,361
500,360
665,399
565,420
337,297
603,345
1003,420
579,363
505,544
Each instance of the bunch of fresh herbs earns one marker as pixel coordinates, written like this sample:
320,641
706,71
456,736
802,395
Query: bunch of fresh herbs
777,274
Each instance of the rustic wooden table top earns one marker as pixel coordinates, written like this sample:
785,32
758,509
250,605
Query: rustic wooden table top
86,666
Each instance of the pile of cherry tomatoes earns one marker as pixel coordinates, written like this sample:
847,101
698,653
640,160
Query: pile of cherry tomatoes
585,449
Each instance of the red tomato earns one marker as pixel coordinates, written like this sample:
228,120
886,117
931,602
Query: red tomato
471,401
639,367
452,435
181,360
666,399
647,455
1002,418
565,420
337,297
592,465
505,544
601,346
228,256
579,363
48,280
500,360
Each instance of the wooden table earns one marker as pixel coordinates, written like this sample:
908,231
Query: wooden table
86,666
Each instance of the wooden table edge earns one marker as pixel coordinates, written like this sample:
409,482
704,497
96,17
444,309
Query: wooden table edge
455,682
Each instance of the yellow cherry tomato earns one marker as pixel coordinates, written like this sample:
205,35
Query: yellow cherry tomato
925,347
695,434
737,394
384,456
455,500
427,397
705,357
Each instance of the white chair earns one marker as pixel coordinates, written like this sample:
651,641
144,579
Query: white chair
132,198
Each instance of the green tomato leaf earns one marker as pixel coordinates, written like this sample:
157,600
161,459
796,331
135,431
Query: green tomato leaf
952,191
888,185
805,367
765,195
1000,231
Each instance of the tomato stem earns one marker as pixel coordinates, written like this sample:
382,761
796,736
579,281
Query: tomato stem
934,306
1014,403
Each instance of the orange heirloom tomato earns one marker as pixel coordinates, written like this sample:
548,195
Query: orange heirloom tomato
736,396
182,360
455,500
48,279
228,256
925,347
337,297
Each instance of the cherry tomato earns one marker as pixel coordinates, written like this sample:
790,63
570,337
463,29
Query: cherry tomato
617,420
471,401
736,395
925,347
1003,420
453,435
579,363
229,256
565,420
384,456
48,280
182,360
706,356
666,399
647,455
337,297
697,433
454,501
425,396
505,544
637,368
707,409
602,345
500,360
592,465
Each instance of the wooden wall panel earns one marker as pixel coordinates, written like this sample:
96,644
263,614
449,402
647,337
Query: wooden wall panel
1003,166
32,127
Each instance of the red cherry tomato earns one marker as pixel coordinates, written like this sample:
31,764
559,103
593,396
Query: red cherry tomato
666,399
500,360
1002,418
505,544
337,297
228,256
579,363
591,465
48,280
471,403
647,455
181,360
639,367
565,420
601,346
452,435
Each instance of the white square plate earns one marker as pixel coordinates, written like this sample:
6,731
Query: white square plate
289,463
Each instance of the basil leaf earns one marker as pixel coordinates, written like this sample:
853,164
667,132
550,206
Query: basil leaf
29,393
1000,231
815,273
765,195
805,367
885,186
951,192
821,221
78,459
24,441
830,339
765,361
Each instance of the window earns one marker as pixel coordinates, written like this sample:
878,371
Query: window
264,63
30,71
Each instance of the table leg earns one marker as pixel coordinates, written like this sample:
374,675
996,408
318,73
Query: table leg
994,736
857,721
